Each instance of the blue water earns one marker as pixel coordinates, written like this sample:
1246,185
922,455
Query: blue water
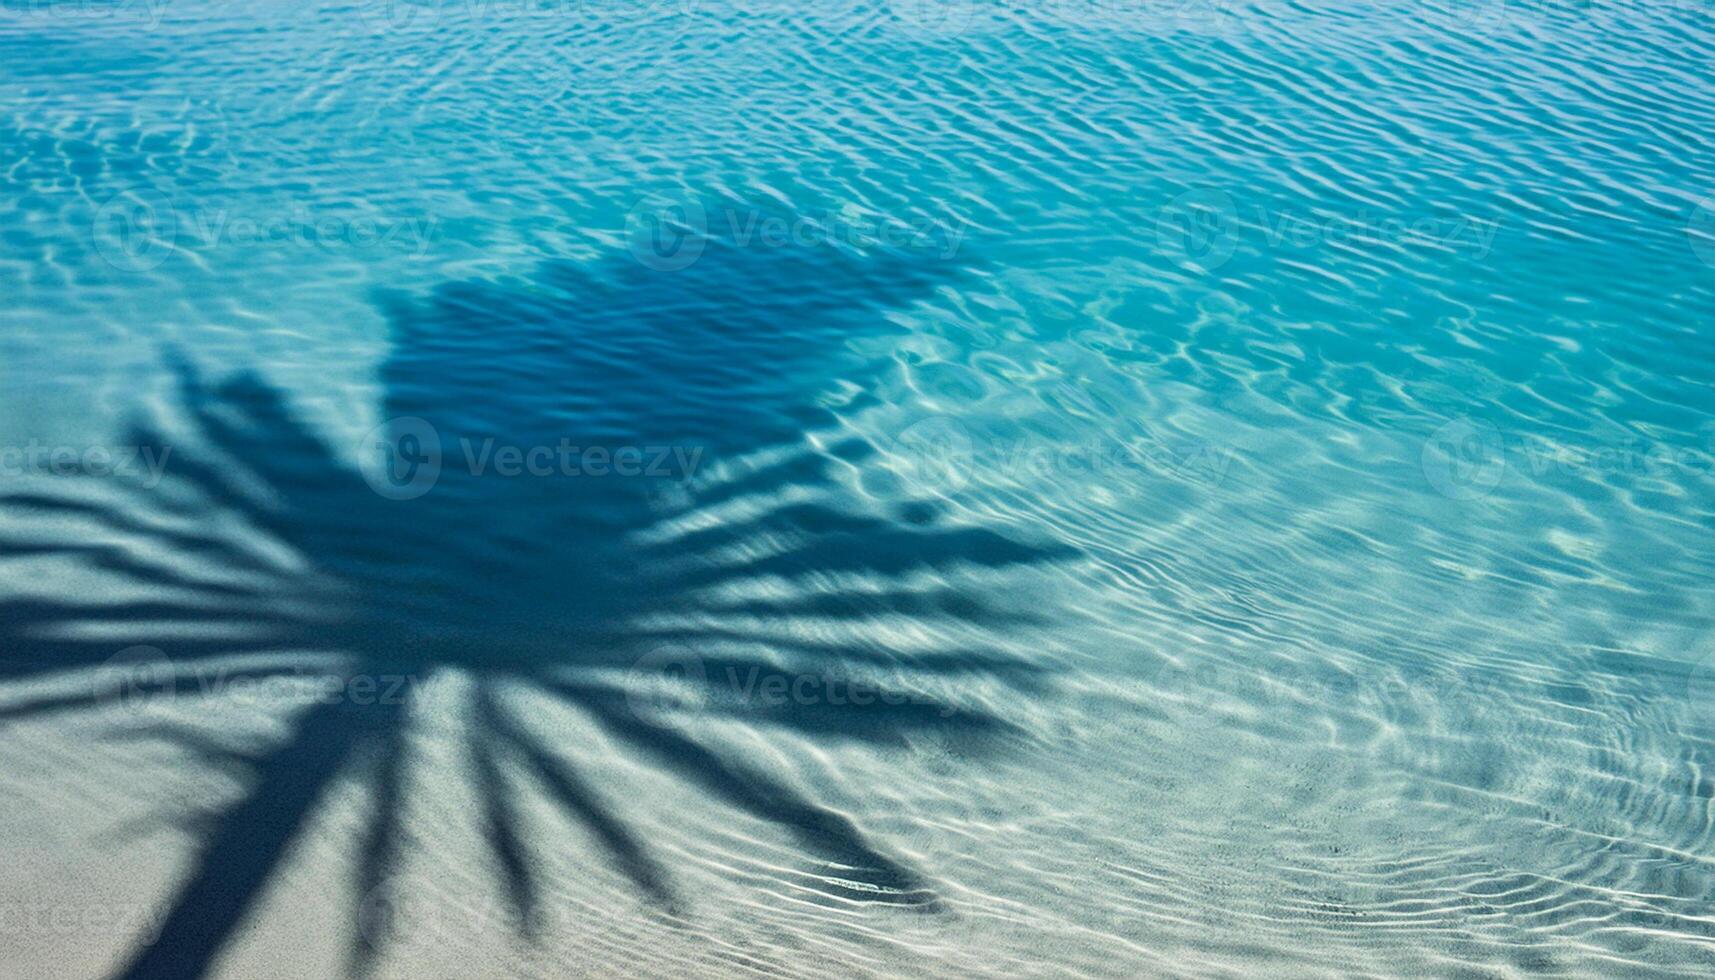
629,487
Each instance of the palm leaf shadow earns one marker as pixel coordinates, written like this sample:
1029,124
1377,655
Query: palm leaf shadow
556,586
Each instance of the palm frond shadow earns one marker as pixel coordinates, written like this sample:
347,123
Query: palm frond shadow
560,587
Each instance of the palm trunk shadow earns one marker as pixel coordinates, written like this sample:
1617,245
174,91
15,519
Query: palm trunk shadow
252,839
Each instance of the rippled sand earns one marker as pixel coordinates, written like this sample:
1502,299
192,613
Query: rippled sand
1232,485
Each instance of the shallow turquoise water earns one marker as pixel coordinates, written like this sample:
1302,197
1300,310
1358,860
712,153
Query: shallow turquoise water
1223,489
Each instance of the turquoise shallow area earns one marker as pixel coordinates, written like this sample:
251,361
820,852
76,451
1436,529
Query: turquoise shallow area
1254,464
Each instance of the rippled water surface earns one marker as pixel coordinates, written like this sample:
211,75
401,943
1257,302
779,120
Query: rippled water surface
1079,488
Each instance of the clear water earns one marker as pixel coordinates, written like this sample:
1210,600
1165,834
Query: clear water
1148,488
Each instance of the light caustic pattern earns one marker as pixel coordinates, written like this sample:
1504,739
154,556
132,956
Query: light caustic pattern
1183,488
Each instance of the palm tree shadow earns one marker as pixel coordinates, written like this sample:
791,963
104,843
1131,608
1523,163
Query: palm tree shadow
634,599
